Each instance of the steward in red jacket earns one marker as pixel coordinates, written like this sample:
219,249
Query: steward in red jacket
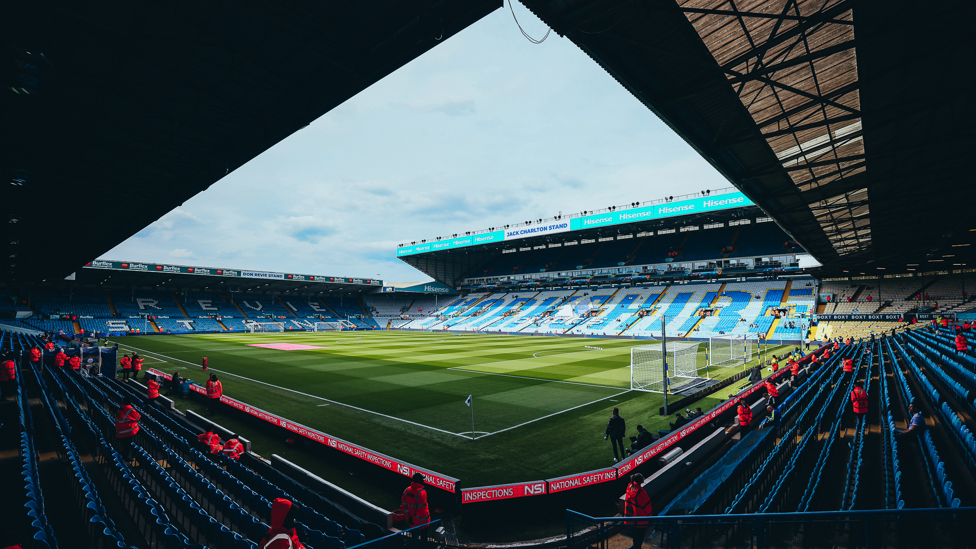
848,365
859,400
49,345
212,441
745,415
961,344
153,386
414,502
233,449
795,368
126,364
59,359
637,504
282,533
35,354
771,389
75,362
215,390
136,365
8,371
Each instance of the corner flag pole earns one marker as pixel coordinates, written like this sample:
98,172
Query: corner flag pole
664,364
470,403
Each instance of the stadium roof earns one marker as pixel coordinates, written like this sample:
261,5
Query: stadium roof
849,122
169,276
115,114
452,265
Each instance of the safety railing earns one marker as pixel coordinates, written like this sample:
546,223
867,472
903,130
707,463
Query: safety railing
865,529
418,537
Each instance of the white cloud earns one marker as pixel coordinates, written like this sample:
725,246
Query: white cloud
181,252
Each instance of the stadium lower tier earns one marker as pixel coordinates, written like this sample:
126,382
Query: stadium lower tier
906,444
771,310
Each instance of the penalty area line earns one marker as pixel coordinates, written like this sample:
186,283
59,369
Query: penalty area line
550,415
462,369
310,396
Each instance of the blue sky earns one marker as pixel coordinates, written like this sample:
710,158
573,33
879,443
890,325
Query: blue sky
485,129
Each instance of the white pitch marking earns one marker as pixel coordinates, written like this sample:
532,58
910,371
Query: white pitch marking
548,416
460,369
310,396
321,405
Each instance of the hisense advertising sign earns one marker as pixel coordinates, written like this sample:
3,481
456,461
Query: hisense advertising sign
634,215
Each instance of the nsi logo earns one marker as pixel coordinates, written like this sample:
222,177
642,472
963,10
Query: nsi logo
538,488
403,470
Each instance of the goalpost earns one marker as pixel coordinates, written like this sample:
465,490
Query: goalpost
256,327
729,350
327,326
647,366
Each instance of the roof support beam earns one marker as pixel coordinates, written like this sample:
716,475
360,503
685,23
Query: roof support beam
800,60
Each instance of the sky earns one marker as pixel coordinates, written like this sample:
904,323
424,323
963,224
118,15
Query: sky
484,129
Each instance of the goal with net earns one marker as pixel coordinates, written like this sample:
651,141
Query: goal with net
647,366
327,326
729,350
256,327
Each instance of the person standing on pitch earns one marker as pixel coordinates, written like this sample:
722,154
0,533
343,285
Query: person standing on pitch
616,428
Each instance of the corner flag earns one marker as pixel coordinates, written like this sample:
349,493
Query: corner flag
468,402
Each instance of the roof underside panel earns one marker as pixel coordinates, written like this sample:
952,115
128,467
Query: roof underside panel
143,105
847,121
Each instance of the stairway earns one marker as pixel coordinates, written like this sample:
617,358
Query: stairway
287,308
180,306
77,326
221,322
238,307
154,326
111,303
772,328
786,293
700,320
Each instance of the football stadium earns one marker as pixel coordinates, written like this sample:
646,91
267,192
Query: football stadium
785,360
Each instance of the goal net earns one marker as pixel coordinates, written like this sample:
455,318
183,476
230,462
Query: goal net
327,326
261,327
647,366
729,350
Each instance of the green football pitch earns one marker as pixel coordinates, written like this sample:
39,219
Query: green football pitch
540,403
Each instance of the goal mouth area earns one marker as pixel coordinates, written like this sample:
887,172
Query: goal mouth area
647,366
258,327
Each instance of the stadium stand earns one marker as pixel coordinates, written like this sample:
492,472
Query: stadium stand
261,306
145,302
165,494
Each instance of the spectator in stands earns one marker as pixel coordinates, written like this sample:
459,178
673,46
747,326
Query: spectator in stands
211,441
962,346
696,414
917,423
126,426
8,376
215,390
679,421
637,504
233,449
414,502
616,428
643,439
771,417
282,534
126,364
